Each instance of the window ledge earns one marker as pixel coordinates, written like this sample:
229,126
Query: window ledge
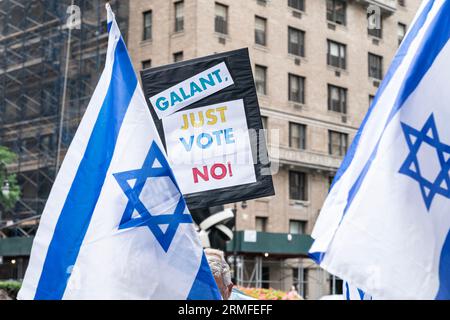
374,38
177,34
334,69
372,79
146,42
337,25
298,106
337,114
260,47
222,35
293,57
303,12
299,203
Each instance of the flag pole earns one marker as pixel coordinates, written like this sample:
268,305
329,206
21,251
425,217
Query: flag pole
63,104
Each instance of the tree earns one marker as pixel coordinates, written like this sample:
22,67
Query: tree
6,158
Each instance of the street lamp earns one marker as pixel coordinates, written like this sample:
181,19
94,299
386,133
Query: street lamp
243,206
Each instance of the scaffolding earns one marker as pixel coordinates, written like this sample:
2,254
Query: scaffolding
285,274
35,42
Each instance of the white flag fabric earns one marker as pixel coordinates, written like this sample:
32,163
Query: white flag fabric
385,225
115,225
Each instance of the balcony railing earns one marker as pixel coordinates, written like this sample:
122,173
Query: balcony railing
308,159
386,6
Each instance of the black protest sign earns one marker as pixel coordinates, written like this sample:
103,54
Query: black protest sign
207,114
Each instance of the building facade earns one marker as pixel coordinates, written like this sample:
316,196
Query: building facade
317,65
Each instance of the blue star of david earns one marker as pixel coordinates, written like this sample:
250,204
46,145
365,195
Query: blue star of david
155,165
411,167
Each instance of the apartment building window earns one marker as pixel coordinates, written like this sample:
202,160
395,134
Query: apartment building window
297,4
402,2
146,64
297,227
296,88
179,16
375,66
261,79
336,11
261,224
260,31
337,54
373,29
297,186
401,32
147,19
178,56
296,42
337,143
297,136
221,19
337,99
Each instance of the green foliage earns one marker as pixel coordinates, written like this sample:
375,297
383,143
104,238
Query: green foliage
7,157
11,288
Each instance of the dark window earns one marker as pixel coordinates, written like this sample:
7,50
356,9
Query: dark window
297,4
336,285
260,30
402,2
401,32
296,88
179,16
178,56
296,42
297,185
221,19
265,127
336,11
337,54
261,224
375,26
264,122
375,66
265,277
260,79
300,279
297,136
330,182
371,98
337,99
261,2
147,35
338,142
297,227
146,64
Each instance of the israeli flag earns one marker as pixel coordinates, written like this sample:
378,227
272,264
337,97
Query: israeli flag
115,225
385,225
352,293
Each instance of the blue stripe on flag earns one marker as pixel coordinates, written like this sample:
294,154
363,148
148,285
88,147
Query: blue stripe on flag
444,272
86,187
397,61
347,291
434,40
204,287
